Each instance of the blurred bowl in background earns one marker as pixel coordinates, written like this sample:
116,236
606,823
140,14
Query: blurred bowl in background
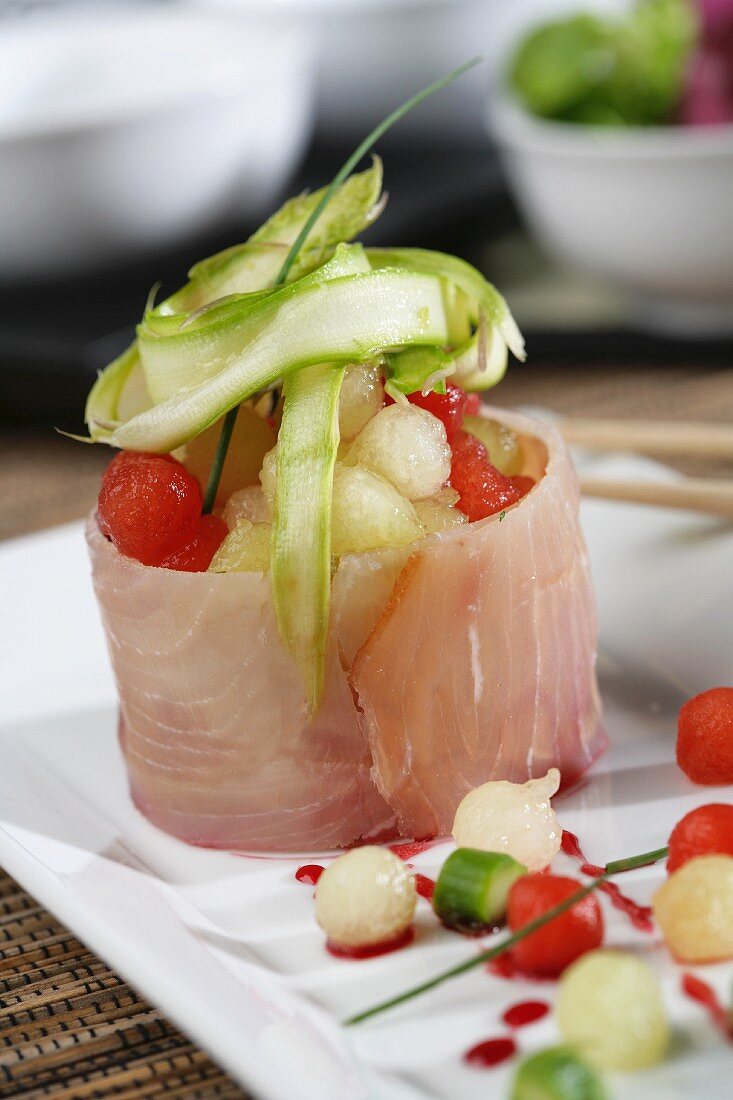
649,209
124,129
373,54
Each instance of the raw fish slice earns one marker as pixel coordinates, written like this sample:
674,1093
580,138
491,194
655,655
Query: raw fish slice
483,664
468,656
213,720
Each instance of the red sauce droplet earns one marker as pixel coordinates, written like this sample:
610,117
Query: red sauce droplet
490,1053
698,990
525,1012
640,915
411,848
371,950
310,873
571,845
425,886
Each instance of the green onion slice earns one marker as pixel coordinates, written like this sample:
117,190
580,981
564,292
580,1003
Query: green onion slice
556,1074
473,888
301,543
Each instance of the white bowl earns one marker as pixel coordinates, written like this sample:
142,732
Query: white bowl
373,54
649,209
123,129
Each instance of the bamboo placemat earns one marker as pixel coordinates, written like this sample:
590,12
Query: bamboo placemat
69,1026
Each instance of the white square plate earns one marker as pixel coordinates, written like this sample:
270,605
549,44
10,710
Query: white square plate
228,946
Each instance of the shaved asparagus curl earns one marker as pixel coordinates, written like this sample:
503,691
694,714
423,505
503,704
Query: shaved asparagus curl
345,170
617,867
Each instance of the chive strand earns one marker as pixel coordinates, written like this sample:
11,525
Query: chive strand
617,867
345,170
360,152
217,465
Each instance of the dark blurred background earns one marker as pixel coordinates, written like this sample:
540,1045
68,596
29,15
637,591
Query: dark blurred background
136,138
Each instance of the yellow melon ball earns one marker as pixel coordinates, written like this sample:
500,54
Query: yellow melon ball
694,909
610,1009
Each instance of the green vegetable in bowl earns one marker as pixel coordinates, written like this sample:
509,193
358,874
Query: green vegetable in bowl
556,1074
608,72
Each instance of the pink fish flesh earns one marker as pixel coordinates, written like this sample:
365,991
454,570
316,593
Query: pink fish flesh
466,657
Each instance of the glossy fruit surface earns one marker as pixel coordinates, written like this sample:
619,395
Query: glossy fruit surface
450,407
705,737
549,950
408,447
693,909
149,506
708,830
483,489
195,556
610,1009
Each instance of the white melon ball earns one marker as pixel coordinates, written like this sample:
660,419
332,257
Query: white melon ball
361,398
250,503
367,896
368,513
610,1009
268,477
694,909
516,818
406,445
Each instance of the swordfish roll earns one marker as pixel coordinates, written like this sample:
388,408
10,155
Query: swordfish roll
482,664
213,723
465,656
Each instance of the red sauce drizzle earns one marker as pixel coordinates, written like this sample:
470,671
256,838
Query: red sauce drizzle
504,966
490,1053
571,845
425,886
698,990
310,873
412,848
371,950
639,915
525,1012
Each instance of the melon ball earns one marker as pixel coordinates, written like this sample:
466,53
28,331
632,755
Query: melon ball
408,447
368,513
610,1009
361,398
246,549
438,513
366,896
694,909
516,818
250,503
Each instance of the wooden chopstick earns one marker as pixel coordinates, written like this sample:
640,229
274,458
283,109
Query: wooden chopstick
712,496
651,437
